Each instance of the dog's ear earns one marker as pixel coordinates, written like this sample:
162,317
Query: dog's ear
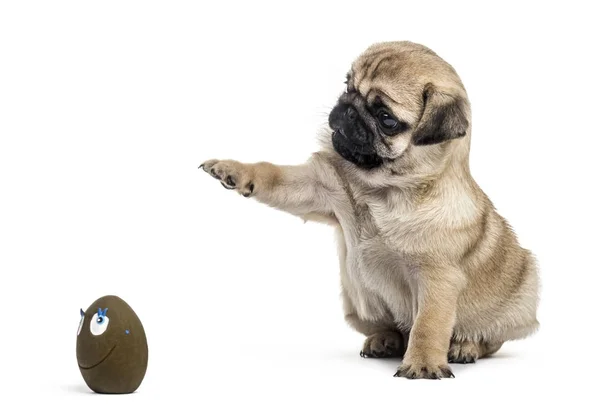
444,118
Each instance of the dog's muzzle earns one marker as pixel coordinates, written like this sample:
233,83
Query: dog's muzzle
351,137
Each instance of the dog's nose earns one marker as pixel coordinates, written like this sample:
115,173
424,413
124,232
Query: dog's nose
351,114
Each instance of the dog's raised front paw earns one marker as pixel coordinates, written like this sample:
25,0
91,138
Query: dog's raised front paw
232,174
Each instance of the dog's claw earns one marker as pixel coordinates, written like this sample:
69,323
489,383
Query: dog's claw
214,174
425,372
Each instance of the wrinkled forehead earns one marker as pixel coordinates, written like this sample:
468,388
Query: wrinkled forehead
400,71
386,73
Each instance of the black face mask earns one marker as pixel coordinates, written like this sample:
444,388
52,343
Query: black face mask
352,137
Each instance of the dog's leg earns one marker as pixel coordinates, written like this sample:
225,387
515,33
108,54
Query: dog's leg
300,189
427,352
384,340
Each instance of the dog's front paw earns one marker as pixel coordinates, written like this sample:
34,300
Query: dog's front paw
232,174
424,371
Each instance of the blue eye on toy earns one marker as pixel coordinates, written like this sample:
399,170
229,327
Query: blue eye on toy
99,322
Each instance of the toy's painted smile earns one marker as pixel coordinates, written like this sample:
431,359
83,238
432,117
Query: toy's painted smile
101,360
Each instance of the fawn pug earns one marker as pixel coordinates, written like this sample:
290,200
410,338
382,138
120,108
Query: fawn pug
430,271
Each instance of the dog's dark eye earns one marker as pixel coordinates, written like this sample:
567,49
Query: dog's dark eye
387,121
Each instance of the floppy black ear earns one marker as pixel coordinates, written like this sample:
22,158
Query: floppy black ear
444,118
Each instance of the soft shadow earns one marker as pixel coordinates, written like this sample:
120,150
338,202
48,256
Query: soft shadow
344,355
82,389
77,389
389,365
499,355
353,354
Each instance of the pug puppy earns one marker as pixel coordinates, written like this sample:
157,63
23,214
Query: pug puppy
430,271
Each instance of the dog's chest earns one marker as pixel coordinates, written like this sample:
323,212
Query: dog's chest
375,265
379,218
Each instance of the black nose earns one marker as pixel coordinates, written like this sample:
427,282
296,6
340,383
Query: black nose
351,114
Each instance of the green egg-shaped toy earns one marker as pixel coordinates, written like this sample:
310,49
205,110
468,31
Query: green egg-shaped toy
112,351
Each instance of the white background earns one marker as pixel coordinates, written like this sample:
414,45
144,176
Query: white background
106,111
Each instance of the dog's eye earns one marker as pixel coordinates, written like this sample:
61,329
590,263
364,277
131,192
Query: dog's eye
387,121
